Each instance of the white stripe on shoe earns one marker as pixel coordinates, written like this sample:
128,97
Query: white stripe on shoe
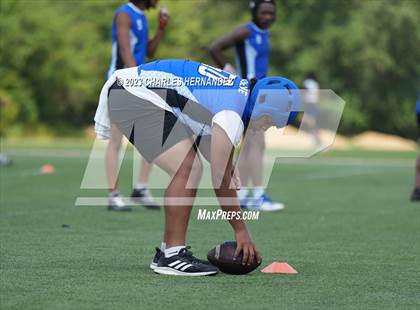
180,265
185,267
174,263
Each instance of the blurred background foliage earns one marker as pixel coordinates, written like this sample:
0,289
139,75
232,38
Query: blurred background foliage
54,55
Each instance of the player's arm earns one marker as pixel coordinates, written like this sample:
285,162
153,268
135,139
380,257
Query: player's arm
153,44
123,24
217,47
221,153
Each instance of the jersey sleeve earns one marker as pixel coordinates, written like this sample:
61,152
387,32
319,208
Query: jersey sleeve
231,123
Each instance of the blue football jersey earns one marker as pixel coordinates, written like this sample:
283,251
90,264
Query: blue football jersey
253,53
138,37
211,88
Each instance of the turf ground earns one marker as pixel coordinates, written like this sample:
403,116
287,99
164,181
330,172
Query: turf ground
349,229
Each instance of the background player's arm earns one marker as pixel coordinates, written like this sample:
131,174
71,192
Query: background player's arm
123,24
217,47
153,44
221,153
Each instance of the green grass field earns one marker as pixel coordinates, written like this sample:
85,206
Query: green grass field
349,229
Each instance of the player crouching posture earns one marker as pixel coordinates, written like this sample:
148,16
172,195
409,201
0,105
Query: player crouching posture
173,110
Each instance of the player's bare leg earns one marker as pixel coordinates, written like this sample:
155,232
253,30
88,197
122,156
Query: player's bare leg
184,166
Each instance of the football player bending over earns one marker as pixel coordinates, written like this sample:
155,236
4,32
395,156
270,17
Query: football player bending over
174,110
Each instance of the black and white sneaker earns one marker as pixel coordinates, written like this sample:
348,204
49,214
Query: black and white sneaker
160,253
155,260
115,203
182,264
144,197
195,259
415,195
4,160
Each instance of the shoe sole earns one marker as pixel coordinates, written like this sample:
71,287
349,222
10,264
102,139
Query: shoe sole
174,272
267,210
272,210
138,200
153,266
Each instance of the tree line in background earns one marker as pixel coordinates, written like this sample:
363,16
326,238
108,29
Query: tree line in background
55,54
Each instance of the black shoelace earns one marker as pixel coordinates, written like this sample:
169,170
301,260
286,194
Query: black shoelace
185,252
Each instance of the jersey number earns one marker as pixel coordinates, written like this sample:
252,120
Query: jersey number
214,73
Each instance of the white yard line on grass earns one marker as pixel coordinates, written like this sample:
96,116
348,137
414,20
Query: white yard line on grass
344,161
347,161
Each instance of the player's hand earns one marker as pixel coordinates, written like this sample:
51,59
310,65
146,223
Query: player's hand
163,17
245,245
229,68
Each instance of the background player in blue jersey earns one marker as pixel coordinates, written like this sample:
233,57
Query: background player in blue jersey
130,47
178,111
252,46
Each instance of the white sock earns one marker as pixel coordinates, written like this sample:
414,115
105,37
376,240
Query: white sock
163,246
115,193
140,185
173,250
242,193
258,191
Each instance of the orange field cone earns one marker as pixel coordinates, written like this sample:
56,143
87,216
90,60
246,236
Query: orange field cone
279,267
47,169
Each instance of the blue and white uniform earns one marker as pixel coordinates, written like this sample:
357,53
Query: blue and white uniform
220,97
253,53
139,30
150,102
197,95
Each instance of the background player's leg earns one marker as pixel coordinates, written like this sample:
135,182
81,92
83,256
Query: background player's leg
418,172
415,195
111,158
115,203
141,193
243,162
253,164
184,166
256,155
144,172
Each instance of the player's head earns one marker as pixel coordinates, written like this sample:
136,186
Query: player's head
276,102
263,12
145,4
